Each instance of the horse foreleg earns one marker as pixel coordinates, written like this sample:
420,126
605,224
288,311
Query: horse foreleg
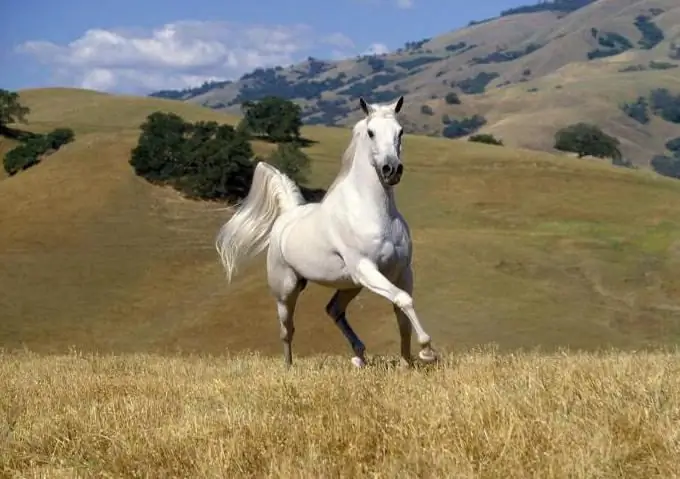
336,309
369,276
405,282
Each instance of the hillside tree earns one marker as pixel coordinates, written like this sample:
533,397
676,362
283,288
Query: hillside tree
276,118
586,139
11,109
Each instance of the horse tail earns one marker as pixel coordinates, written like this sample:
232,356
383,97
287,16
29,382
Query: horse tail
246,234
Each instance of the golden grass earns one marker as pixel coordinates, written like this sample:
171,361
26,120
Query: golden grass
517,248
480,414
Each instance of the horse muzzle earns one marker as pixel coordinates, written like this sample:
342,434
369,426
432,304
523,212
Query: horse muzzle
392,176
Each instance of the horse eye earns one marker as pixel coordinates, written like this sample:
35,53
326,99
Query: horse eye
401,132
370,133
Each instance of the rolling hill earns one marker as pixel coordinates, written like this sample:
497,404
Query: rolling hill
528,72
516,247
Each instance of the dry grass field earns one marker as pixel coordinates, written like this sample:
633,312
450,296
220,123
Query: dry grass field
480,414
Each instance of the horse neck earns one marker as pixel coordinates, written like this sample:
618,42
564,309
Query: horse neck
363,180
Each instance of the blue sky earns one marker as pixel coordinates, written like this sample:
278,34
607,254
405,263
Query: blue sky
137,46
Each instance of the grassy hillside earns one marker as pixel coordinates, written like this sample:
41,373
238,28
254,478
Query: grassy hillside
515,247
478,415
528,74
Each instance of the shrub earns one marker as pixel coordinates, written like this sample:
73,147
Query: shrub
674,146
613,44
486,138
638,110
458,128
633,68
452,98
476,84
426,110
665,104
652,35
662,65
666,166
674,51
501,56
31,151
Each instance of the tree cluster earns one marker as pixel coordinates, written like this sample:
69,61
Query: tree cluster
462,127
203,159
208,160
33,146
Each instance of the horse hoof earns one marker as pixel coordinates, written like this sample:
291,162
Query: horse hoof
405,364
427,355
358,362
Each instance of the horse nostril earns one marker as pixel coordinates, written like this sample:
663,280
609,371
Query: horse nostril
386,170
400,169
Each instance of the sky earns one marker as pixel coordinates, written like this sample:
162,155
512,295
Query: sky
140,46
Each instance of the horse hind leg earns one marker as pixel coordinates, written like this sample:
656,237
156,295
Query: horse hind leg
336,309
286,287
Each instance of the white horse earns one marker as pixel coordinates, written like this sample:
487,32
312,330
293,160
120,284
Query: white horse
354,238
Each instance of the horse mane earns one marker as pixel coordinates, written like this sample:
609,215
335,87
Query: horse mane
347,159
358,132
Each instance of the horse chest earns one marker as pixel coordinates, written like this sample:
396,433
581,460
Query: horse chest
385,248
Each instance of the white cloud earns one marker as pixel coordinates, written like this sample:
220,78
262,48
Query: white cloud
339,40
404,3
176,55
376,49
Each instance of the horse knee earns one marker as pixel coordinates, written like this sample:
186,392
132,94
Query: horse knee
403,300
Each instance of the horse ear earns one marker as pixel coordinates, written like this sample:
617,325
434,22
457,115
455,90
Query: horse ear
364,106
399,104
